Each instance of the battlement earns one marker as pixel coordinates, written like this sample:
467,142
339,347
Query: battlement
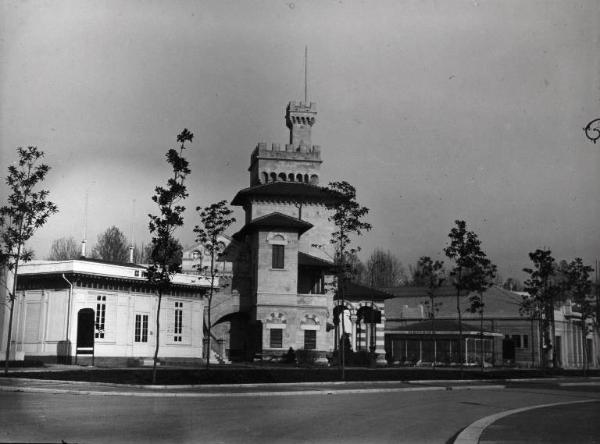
287,151
302,107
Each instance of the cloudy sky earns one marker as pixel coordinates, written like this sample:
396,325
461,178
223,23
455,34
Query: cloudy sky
434,110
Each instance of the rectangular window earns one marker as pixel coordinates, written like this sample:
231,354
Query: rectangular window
141,328
517,341
525,341
278,253
276,338
310,339
100,316
178,322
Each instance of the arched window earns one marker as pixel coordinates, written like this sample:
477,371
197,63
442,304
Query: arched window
265,177
291,177
299,177
306,178
273,177
282,177
314,179
278,243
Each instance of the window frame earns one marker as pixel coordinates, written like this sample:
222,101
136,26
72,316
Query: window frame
310,343
278,256
273,341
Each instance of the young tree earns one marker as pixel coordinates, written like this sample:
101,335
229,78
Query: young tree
580,288
64,249
385,269
112,246
432,275
162,264
482,277
530,308
472,272
544,291
347,218
26,211
214,219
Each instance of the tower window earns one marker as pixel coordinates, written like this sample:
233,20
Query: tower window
278,256
298,177
282,177
273,177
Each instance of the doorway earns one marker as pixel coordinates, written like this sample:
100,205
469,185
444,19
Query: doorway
85,333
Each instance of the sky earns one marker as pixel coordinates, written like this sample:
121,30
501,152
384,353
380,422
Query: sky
433,110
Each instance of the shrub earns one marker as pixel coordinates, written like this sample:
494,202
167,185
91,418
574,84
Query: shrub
306,358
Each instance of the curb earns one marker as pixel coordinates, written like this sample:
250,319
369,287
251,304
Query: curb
251,385
472,433
242,394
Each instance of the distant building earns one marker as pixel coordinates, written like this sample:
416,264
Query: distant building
84,310
508,337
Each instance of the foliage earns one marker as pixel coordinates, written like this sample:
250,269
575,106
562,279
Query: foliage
64,249
306,358
473,272
173,253
162,226
385,270
214,219
27,209
112,246
430,275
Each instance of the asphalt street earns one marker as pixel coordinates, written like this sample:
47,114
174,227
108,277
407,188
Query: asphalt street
324,417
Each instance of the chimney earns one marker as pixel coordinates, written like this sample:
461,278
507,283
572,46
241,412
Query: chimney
83,248
131,254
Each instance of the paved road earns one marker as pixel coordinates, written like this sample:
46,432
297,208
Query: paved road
413,417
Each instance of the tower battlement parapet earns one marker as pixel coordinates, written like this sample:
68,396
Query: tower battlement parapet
287,151
302,107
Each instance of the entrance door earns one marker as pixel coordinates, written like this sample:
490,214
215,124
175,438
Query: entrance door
85,332
140,334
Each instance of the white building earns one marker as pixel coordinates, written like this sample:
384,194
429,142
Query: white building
79,310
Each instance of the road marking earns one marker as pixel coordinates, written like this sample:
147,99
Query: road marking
472,433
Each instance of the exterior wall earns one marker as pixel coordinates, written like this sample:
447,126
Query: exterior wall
42,322
316,214
289,160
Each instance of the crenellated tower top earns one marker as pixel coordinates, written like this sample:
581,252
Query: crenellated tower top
297,161
299,118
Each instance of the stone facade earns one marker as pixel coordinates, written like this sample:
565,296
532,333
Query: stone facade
282,256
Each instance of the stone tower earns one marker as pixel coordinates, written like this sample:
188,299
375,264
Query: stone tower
280,273
297,161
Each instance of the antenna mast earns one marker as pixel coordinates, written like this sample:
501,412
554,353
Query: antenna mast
306,74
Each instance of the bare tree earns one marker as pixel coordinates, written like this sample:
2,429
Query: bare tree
385,269
112,246
64,249
25,212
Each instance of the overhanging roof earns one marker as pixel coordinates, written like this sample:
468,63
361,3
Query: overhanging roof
276,220
307,260
356,292
295,190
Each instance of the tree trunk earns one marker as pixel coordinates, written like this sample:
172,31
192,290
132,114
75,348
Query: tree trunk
584,345
12,310
481,340
531,345
157,336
